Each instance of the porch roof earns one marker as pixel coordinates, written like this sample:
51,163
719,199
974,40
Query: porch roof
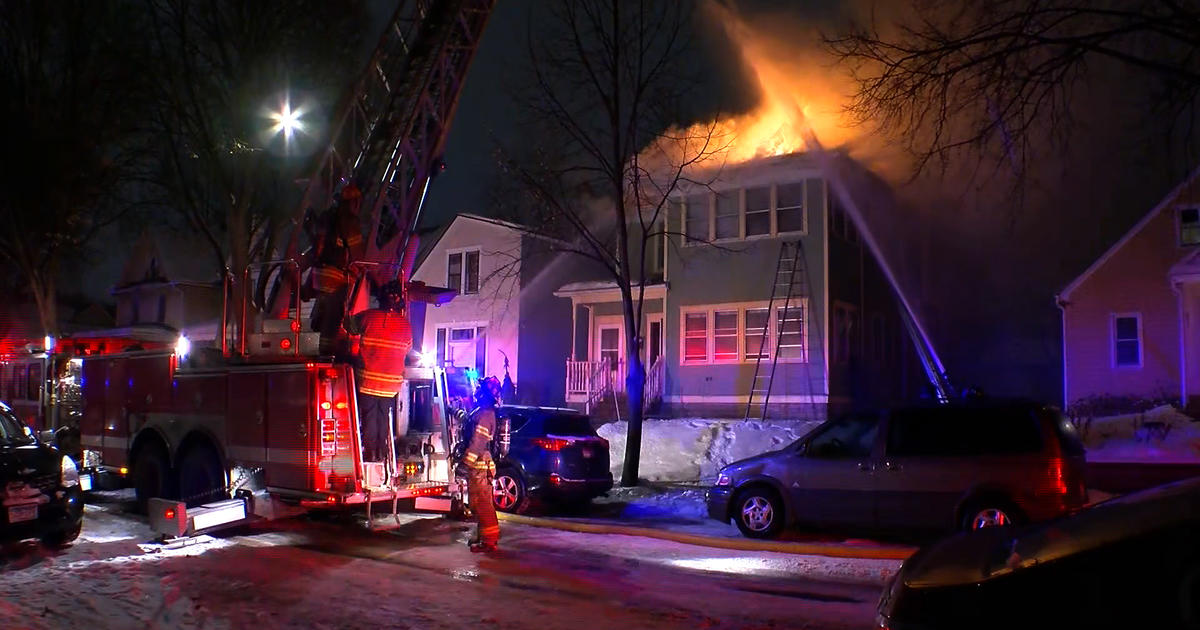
605,291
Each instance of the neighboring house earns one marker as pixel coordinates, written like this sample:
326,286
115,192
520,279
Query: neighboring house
707,307
1130,320
504,310
168,283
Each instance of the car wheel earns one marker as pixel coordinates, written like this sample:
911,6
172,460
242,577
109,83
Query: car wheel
63,537
758,513
151,476
201,479
995,513
509,493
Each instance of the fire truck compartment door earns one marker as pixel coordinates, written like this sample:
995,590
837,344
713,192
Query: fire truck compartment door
247,407
291,409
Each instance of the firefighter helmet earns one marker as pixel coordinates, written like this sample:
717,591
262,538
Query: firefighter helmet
488,392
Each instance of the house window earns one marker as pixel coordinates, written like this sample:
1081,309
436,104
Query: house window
757,322
1127,340
789,208
441,345
758,211
1189,226
743,332
790,326
696,227
695,337
462,346
752,212
656,250
462,272
729,221
610,346
725,336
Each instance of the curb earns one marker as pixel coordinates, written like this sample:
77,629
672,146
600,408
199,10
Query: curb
832,550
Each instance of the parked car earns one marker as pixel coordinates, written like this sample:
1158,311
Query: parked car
1130,562
555,455
39,487
961,465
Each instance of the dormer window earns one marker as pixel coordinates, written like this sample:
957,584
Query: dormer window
1189,226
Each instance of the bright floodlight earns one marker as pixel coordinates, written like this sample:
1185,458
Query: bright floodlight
425,359
287,121
183,346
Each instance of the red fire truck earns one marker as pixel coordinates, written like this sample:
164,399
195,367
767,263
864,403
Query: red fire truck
260,422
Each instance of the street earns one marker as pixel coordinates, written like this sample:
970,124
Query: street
334,573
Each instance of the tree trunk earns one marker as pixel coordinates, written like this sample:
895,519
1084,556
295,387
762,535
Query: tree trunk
44,294
635,388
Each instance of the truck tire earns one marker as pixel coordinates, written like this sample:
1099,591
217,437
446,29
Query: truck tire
63,537
201,479
151,476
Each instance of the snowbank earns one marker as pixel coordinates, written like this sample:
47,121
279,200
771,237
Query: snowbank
1162,435
695,449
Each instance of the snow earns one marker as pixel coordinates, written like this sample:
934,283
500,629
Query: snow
695,449
1175,439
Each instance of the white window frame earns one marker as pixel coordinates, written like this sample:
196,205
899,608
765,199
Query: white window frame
682,202
462,281
1141,341
1179,226
450,327
710,311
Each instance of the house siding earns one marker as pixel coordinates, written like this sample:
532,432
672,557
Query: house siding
1133,280
743,271
496,305
545,342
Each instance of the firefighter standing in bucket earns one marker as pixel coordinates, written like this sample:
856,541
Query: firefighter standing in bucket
480,468
386,338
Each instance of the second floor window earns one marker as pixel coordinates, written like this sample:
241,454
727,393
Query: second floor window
1189,226
462,272
760,211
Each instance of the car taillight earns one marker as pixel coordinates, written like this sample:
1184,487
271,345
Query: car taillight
551,444
1055,481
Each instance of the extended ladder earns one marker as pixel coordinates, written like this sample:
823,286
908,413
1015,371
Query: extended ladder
790,285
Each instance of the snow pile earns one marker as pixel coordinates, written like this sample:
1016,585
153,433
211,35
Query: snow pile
695,449
1163,435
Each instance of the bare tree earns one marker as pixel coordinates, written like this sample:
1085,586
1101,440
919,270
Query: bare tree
608,77
225,68
994,75
70,121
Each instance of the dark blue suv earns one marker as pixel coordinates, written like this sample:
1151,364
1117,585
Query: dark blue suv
555,455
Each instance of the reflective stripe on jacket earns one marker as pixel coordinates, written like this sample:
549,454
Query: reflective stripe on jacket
386,340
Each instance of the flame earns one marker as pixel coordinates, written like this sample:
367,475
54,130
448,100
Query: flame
800,98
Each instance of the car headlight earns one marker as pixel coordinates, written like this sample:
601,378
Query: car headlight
724,479
70,475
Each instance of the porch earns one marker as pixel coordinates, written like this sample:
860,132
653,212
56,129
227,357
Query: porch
591,383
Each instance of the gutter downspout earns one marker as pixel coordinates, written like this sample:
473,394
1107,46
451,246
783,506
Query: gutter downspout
1062,308
1177,289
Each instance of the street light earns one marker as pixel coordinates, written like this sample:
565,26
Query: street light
287,121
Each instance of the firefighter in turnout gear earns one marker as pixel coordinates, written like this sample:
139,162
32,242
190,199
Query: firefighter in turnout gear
386,338
481,469
342,243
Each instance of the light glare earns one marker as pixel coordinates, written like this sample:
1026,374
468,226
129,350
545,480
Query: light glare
287,121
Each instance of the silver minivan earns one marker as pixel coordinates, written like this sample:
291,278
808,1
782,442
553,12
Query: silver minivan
925,467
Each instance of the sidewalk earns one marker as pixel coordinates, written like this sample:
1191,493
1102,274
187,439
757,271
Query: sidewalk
677,512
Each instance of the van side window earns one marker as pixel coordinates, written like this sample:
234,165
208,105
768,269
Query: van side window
847,437
963,432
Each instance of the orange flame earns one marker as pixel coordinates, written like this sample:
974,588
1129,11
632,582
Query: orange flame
799,95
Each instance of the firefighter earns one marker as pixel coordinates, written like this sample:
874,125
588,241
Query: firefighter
481,469
385,339
342,245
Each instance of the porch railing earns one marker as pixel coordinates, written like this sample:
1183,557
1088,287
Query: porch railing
591,381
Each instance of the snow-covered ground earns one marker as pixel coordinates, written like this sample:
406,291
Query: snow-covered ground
1163,435
695,449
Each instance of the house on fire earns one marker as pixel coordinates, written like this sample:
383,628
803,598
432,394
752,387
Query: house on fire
1130,320
708,306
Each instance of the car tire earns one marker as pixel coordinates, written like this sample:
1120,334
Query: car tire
151,476
63,537
758,512
509,492
201,479
993,512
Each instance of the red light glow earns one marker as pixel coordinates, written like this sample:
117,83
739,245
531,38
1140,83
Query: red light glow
295,326
325,405
341,405
551,444
285,344
169,513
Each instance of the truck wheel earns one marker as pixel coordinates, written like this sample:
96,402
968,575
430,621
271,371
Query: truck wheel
201,479
151,476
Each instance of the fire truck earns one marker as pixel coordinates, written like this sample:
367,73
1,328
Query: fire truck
260,422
